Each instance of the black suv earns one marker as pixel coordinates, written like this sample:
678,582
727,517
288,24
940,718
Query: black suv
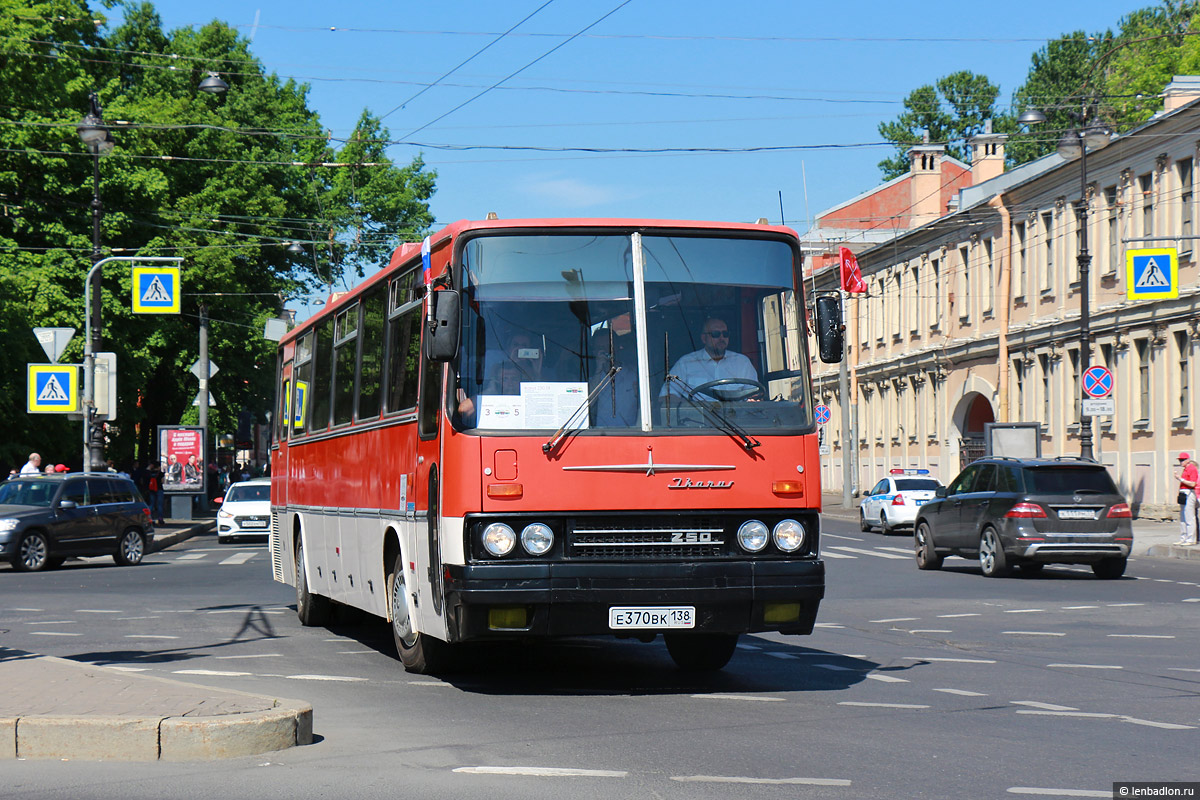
44,519
1027,513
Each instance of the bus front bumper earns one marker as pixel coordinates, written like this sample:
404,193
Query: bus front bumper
490,601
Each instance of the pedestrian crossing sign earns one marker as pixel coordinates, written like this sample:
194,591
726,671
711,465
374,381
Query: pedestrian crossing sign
53,388
1152,274
156,290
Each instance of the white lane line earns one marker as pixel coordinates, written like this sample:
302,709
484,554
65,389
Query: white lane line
769,781
1032,633
543,772
737,697
128,669
907,551
252,655
53,622
1140,636
1024,611
952,660
826,554
1124,605
214,672
149,636
748,647
1150,723
1183,669
887,678
244,610
192,557
895,619
1075,608
98,611
828,625
1043,706
1085,714
1191,600
1085,666
864,552
962,692
1057,792
130,619
781,655
27,609
955,616
880,705
931,630
835,668
322,678
53,633
430,683
240,558
840,536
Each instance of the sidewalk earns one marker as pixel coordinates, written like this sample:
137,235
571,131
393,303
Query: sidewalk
54,708
1150,537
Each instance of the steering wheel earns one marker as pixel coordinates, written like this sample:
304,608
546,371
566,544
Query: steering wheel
752,389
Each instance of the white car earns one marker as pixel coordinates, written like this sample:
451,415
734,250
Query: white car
893,502
245,511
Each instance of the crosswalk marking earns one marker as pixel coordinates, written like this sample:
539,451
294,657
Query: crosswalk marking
864,552
240,558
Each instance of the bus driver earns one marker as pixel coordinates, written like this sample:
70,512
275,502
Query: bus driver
713,362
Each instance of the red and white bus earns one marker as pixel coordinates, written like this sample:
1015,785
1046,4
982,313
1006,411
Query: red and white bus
542,428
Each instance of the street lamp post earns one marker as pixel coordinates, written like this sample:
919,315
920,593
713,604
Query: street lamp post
1076,143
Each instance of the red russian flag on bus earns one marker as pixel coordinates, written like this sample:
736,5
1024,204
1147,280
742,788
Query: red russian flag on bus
852,279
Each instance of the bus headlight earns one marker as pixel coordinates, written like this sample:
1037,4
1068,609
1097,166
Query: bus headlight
537,538
499,539
752,535
789,535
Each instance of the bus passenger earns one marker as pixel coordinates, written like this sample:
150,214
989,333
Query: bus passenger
617,404
523,363
713,362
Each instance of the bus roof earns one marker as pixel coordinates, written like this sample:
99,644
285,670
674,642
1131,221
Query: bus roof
409,251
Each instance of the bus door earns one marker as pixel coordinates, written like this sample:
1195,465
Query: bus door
283,426
426,493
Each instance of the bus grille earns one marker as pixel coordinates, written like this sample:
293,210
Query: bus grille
700,539
276,551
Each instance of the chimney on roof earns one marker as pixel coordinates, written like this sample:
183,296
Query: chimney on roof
925,182
987,154
1182,90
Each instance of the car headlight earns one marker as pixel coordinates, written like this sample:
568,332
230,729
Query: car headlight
223,514
752,535
499,539
537,538
9,524
789,535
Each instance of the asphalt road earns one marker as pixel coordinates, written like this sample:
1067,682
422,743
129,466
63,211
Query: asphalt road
915,685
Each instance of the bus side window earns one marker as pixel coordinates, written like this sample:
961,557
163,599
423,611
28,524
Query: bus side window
403,347
370,377
322,379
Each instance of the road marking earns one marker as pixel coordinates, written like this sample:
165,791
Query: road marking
1032,633
252,655
1167,725
53,633
826,554
97,611
1085,666
835,667
886,678
955,616
355,652
865,552
962,692
748,647
192,557
1183,669
543,772
1119,717
907,551
1057,792
839,536
240,558
430,683
1087,714
895,619
1191,600
53,622
1043,706
213,672
737,697
128,669
1141,636
880,705
1124,605
1024,610
770,781
781,655
930,630
952,660
130,619
1074,608
828,625
27,609
323,678
149,636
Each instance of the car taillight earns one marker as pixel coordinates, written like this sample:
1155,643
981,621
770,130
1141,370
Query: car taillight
1026,510
898,500
146,511
1120,510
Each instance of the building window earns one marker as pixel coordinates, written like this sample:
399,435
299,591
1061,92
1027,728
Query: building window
1073,385
964,284
1019,385
1022,268
1183,357
898,306
935,268
989,280
1146,184
1044,363
1112,229
934,430
917,310
1048,252
1184,168
1142,347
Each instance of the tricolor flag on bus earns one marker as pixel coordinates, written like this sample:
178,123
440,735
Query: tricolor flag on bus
425,251
852,279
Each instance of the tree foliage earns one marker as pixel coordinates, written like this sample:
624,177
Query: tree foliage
210,178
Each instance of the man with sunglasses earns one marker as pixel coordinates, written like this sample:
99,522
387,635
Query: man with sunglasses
713,362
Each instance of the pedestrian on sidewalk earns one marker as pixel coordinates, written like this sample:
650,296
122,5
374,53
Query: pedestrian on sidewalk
154,484
33,466
1188,476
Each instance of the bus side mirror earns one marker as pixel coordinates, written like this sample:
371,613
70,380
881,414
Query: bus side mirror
441,333
830,339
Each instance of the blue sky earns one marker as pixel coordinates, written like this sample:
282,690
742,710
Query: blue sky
650,74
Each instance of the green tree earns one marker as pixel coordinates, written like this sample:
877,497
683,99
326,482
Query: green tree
1147,54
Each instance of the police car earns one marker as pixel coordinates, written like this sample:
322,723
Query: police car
893,502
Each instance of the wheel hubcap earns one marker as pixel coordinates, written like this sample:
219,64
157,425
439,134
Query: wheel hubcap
401,621
132,547
33,552
987,555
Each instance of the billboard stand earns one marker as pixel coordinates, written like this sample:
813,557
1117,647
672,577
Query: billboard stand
181,506
182,457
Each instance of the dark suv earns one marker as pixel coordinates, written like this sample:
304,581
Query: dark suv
1027,513
44,519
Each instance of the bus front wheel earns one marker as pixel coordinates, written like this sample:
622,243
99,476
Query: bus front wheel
419,652
312,609
701,652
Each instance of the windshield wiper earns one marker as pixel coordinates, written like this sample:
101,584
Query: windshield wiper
570,426
714,416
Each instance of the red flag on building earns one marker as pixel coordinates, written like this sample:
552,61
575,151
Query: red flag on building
852,280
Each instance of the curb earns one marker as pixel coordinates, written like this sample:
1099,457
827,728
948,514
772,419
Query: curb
109,735
1186,552
163,542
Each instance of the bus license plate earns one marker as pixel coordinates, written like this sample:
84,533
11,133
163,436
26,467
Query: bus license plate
651,617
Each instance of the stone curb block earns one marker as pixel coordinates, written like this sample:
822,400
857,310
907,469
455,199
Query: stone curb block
8,737
209,738
1174,551
93,738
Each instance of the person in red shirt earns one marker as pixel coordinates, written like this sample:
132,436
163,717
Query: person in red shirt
1188,476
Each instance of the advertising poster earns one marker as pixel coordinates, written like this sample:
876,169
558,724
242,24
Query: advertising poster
181,456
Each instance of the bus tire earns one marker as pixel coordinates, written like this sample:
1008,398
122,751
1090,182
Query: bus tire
312,609
701,652
420,653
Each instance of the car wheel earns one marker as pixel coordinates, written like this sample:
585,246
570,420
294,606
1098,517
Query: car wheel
927,557
1110,568
33,552
884,527
312,609
863,525
131,548
701,652
419,652
991,554
1030,567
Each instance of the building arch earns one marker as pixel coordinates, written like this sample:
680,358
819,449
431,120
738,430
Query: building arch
972,412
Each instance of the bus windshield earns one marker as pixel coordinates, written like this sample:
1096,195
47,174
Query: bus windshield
632,333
